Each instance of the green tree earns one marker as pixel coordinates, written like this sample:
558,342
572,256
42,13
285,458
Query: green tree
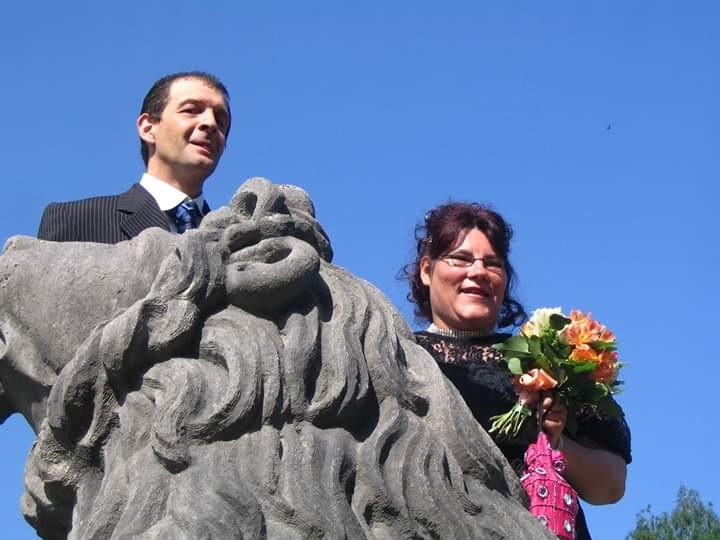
689,520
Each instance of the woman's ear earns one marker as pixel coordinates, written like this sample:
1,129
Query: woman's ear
425,270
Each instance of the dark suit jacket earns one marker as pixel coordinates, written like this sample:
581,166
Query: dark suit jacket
107,220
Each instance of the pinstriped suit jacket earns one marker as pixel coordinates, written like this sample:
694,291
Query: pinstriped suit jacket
106,220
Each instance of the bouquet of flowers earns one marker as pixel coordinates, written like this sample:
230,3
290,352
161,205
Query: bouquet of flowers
573,355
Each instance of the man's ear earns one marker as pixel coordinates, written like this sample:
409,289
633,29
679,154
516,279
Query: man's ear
425,270
146,128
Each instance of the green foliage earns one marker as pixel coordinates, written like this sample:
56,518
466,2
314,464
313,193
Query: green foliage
689,520
558,322
515,366
516,344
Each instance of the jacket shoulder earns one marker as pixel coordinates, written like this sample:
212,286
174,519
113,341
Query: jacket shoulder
82,220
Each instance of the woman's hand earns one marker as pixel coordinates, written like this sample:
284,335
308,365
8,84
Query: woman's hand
554,419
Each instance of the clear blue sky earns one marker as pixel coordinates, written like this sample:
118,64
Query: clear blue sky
592,126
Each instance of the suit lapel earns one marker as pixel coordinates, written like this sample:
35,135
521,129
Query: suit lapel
139,211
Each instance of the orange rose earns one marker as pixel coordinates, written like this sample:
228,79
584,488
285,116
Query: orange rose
584,353
607,335
581,331
607,368
535,379
584,329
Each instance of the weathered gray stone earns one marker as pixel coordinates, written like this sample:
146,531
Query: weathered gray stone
231,382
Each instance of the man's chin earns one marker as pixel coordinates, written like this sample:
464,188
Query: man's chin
204,166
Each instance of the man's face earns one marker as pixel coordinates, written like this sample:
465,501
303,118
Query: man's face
187,141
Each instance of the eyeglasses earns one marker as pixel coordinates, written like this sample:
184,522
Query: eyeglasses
462,260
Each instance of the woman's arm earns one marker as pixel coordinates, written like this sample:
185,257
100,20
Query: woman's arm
597,474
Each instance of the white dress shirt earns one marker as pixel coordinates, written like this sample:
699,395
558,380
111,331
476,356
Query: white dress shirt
168,197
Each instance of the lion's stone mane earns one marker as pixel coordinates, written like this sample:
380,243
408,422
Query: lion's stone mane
253,389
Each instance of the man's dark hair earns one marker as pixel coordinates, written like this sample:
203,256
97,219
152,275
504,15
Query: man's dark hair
157,98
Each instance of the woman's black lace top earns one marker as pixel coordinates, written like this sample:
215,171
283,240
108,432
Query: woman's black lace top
473,367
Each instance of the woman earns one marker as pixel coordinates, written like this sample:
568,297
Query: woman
462,282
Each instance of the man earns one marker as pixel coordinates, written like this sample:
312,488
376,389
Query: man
183,125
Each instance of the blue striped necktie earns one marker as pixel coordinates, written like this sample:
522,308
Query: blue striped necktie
187,216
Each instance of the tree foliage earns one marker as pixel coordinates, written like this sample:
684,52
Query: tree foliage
689,520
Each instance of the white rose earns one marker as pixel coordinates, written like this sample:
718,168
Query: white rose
539,321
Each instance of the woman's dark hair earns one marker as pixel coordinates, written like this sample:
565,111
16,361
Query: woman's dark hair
439,233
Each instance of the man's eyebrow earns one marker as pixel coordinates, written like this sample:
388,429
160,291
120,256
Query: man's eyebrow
190,100
197,101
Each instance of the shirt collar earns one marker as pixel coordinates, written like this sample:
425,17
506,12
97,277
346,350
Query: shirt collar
166,196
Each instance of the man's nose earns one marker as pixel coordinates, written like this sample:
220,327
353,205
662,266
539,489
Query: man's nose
208,120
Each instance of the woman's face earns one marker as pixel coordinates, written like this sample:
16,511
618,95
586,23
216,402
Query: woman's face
466,298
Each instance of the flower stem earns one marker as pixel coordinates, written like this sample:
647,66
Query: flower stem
507,426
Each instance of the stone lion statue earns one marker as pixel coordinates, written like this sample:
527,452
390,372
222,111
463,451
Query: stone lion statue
232,383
